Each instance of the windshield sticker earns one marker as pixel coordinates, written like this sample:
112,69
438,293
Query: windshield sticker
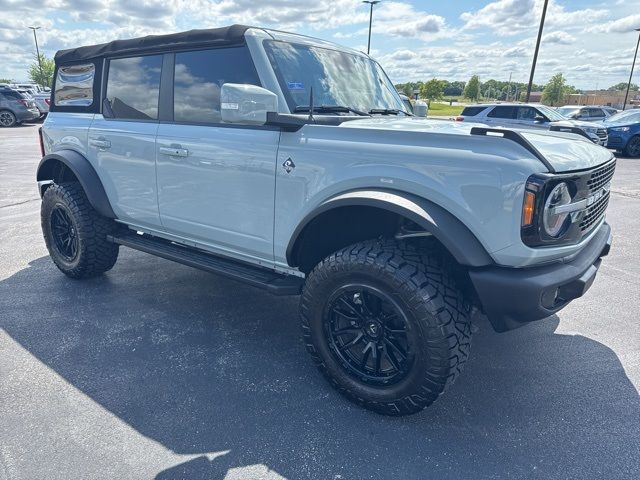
295,85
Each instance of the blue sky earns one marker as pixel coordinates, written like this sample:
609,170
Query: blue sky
590,41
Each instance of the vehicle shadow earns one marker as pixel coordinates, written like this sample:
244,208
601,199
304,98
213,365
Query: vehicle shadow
202,364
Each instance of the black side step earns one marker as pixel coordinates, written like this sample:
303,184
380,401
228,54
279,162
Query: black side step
275,283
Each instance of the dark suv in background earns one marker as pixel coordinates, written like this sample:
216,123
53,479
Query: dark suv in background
16,108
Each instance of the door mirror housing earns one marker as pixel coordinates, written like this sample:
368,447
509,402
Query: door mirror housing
539,118
246,104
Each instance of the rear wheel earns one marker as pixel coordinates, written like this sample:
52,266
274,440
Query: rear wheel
386,324
7,119
75,234
633,147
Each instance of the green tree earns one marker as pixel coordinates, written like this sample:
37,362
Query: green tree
433,89
472,89
622,87
554,91
5,80
45,76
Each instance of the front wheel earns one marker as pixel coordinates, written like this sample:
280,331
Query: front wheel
386,324
633,147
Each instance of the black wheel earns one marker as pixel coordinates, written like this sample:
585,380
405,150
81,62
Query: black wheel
386,324
633,147
7,119
75,234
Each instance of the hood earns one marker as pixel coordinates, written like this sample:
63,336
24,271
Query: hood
620,123
564,151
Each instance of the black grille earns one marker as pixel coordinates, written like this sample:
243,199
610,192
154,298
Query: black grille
598,179
601,132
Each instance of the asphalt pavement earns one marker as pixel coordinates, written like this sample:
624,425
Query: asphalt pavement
157,370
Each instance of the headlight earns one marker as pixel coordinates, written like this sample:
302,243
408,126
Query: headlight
590,130
552,221
620,129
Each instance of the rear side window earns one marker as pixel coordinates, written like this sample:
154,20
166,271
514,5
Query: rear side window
11,95
472,111
74,85
502,112
199,76
133,87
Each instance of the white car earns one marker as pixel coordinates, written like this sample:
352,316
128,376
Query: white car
532,116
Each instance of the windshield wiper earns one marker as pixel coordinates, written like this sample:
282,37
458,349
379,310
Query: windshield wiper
329,109
388,111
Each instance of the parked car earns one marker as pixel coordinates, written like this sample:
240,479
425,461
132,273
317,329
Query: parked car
16,108
286,162
43,100
624,132
586,113
532,116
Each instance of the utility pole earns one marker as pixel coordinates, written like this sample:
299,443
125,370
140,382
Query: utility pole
35,37
626,96
509,87
371,4
535,54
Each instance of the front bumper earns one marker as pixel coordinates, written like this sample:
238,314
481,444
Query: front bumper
511,297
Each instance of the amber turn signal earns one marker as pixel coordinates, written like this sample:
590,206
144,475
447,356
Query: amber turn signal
527,208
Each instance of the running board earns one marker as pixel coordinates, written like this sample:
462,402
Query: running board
273,282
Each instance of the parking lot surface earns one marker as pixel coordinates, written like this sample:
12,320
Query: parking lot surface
157,370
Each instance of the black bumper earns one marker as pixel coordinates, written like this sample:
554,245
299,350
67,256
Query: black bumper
511,297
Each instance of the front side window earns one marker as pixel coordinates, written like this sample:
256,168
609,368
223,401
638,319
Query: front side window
199,76
527,113
133,87
74,85
596,112
338,78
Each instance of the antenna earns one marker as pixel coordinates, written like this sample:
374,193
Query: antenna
311,104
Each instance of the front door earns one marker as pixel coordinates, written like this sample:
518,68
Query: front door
216,181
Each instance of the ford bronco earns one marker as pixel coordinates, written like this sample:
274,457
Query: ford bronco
290,163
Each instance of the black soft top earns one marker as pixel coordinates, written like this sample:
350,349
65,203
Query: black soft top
232,35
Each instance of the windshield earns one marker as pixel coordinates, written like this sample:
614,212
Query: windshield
568,111
337,77
629,116
550,113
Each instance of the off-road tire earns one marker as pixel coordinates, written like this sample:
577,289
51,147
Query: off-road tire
8,119
95,255
427,294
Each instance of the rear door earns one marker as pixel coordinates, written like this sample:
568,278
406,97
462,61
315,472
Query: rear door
122,138
596,114
501,115
216,181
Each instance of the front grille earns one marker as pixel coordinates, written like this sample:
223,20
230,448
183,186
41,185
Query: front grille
598,179
601,133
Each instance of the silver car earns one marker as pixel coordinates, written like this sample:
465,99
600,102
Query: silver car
586,113
532,116
288,163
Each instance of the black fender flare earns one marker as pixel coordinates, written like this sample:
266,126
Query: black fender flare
83,171
451,232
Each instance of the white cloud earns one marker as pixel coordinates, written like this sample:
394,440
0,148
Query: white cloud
621,25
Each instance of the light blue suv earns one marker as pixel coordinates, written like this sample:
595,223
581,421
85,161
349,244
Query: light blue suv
289,163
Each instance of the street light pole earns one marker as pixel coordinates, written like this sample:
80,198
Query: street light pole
35,37
371,4
535,54
624,105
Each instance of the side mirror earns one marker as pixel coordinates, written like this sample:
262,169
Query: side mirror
246,104
420,109
539,119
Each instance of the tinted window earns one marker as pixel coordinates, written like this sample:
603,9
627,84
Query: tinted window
199,76
133,87
596,112
472,111
502,112
10,94
74,85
